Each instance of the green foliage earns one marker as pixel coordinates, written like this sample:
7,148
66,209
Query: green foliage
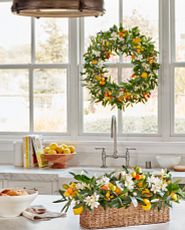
118,41
121,189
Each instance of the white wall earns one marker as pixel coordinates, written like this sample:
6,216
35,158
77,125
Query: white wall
87,155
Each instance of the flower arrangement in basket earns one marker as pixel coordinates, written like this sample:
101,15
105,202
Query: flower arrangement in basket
121,198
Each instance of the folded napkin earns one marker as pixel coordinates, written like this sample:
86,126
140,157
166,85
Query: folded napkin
39,212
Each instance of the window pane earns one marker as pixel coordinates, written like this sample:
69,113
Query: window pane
141,118
102,23
50,100
145,15
51,40
14,101
179,100
15,36
96,118
180,30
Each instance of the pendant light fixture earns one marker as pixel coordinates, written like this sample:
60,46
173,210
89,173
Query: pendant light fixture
58,8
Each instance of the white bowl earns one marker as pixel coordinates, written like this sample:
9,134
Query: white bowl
13,206
168,161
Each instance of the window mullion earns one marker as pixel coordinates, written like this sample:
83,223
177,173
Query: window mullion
165,93
72,95
31,98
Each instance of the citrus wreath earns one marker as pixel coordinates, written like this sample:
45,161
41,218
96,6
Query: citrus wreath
119,41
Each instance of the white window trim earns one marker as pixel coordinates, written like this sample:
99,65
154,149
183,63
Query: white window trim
76,47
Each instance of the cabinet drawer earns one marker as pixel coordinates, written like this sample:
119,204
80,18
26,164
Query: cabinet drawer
42,187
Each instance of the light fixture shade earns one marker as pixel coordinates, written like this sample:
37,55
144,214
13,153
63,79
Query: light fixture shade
58,8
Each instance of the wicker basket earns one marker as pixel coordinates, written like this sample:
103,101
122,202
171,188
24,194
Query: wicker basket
113,217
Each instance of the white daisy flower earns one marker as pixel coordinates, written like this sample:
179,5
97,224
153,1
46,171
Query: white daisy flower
119,174
103,181
80,186
92,201
129,182
96,53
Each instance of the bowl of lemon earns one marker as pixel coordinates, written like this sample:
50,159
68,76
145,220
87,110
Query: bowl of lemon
58,155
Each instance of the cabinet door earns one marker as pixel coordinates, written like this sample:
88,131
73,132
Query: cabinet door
45,188
1,184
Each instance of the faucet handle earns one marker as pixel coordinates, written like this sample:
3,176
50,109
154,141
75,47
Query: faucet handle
100,148
128,155
103,156
128,149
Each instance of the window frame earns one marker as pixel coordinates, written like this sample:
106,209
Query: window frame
74,89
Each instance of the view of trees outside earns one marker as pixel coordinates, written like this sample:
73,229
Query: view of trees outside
180,72
14,100
51,41
50,100
15,37
141,118
49,85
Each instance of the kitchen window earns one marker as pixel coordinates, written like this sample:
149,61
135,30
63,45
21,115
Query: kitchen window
41,60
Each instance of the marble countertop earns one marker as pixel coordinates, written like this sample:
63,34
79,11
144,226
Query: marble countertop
71,222
49,174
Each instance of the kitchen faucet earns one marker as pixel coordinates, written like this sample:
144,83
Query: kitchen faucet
114,136
115,154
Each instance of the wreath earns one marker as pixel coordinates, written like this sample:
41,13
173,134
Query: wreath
119,41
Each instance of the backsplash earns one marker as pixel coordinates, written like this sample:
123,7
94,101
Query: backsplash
87,155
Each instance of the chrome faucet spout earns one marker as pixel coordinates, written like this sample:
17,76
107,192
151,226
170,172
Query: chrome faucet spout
114,135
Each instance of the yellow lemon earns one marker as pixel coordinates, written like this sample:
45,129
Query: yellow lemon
133,174
46,149
112,187
59,150
118,191
94,62
67,151
64,146
53,146
136,40
51,151
147,207
174,196
97,77
78,211
146,192
72,148
146,201
107,195
144,75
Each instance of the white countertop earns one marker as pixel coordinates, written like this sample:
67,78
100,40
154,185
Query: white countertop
49,174
71,222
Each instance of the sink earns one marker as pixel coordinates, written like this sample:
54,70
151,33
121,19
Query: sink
91,171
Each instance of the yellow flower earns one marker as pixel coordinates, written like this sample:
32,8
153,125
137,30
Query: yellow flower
78,211
144,75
